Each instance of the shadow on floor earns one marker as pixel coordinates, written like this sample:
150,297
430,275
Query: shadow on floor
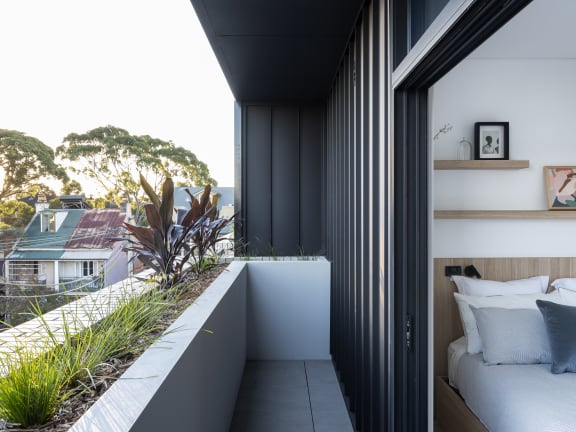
290,396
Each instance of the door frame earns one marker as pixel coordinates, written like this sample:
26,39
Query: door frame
458,30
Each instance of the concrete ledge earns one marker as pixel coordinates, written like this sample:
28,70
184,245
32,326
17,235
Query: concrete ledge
189,379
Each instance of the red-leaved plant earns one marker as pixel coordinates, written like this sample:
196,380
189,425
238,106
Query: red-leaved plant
173,238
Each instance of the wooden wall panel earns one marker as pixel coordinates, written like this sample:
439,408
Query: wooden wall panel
447,325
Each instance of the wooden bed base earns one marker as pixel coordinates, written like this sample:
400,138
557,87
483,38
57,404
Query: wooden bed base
450,411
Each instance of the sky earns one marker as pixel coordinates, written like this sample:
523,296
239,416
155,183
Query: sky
141,65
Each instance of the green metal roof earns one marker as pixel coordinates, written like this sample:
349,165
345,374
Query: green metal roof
34,238
35,255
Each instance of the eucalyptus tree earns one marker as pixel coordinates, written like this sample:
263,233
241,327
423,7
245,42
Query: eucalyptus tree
113,158
25,164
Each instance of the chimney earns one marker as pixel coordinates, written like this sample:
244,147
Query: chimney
41,202
126,208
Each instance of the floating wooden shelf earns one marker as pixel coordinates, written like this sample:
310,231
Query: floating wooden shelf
480,164
505,214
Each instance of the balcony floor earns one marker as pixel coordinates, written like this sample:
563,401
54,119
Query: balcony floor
290,396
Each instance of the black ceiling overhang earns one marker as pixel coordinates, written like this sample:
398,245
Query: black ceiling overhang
278,50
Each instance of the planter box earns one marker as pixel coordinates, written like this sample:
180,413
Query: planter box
189,379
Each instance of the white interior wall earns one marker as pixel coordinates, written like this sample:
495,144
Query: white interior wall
538,97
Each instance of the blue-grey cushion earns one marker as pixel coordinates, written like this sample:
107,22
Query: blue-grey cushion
512,336
560,321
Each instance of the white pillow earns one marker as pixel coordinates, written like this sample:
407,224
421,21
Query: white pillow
517,301
566,283
512,336
479,287
568,296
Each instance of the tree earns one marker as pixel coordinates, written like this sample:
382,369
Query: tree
71,188
114,158
24,162
15,213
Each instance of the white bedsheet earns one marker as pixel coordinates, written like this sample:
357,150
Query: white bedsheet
517,398
456,350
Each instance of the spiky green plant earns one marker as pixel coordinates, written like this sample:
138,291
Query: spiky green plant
32,388
40,375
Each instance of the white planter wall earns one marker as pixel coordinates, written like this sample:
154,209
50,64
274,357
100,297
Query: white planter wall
289,310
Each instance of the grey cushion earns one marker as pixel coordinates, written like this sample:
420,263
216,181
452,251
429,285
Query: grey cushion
560,323
512,336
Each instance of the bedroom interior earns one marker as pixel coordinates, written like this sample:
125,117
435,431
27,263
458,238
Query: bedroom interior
524,75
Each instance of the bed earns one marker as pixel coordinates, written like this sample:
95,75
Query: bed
471,396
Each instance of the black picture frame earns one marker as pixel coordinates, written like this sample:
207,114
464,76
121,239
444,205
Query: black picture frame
491,141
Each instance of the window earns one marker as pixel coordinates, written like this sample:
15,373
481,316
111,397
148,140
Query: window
87,268
48,222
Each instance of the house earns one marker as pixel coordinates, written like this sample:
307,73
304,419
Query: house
337,106
69,249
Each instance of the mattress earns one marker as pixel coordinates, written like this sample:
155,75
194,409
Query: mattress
516,398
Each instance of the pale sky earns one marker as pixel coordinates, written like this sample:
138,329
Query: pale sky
141,65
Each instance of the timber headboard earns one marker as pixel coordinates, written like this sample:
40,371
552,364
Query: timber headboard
447,325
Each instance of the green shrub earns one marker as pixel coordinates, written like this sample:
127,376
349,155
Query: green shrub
40,376
33,387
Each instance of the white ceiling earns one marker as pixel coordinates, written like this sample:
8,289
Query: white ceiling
544,29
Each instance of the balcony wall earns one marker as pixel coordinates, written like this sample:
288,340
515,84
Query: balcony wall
279,178
189,379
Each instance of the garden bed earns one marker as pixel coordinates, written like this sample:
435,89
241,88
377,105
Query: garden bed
89,392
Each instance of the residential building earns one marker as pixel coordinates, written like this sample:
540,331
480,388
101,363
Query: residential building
69,249
334,154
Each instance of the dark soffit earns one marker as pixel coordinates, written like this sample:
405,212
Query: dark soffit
278,50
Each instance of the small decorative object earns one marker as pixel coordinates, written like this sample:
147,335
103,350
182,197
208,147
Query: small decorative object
491,140
560,187
464,149
443,130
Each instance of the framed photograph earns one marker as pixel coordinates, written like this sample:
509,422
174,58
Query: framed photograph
560,187
491,140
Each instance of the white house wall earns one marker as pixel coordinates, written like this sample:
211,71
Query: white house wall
67,269
538,98
116,267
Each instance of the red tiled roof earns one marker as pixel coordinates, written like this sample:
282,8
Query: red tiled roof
95,229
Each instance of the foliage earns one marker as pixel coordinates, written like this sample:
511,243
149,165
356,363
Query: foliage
210,226
112,157
97,203
24,162
55,203
44,373
166,246
32,389
72,187
125,329
163,245
15,213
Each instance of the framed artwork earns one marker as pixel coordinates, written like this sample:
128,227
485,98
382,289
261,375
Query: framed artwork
491,140
560,187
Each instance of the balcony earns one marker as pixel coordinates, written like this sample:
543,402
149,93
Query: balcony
251,354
